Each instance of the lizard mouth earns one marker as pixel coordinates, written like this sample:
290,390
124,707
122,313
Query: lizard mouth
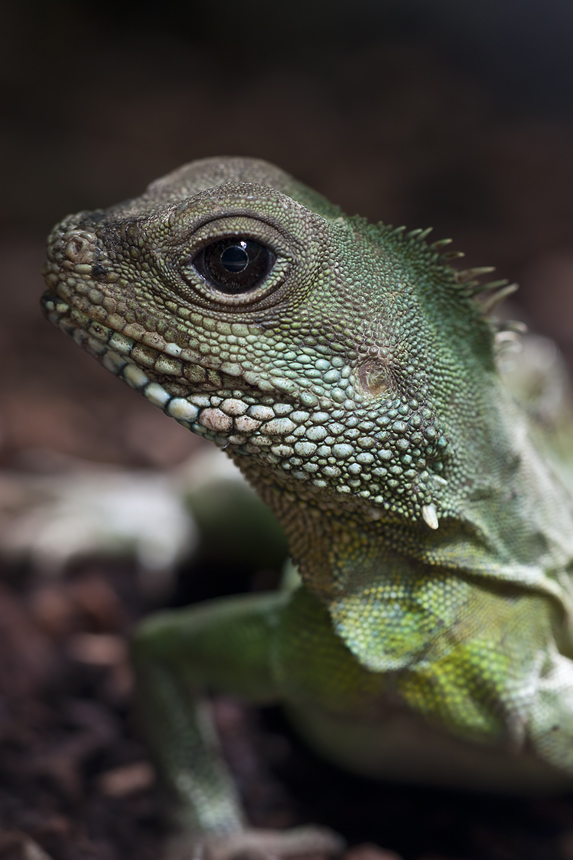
216,408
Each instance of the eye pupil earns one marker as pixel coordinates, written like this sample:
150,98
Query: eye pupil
234,265
235,258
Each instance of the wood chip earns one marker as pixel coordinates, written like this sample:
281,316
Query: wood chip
127,779
97,649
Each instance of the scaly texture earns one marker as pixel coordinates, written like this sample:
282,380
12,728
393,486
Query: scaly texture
349,371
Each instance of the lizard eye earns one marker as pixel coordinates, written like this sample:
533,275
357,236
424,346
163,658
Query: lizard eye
234,265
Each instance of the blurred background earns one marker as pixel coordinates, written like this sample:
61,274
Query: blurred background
455,115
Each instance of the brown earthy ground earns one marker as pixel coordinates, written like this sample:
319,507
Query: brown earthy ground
75,780
456,115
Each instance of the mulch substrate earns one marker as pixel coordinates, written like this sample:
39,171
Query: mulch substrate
76,783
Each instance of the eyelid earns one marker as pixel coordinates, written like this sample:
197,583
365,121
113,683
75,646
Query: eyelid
244,226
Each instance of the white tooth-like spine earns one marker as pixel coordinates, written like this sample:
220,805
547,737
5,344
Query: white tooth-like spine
430,516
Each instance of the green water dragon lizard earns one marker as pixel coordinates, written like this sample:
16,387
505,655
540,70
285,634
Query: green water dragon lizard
349,371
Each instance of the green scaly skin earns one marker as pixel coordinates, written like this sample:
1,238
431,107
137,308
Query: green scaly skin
355,386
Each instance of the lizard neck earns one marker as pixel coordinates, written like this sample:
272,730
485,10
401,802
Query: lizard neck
497,528
395,589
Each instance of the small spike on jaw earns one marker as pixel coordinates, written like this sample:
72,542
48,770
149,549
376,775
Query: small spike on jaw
452,255
430,516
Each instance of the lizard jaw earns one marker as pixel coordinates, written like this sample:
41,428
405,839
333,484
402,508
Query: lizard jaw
199,411
248,421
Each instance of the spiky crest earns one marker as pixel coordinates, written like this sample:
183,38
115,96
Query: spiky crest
466,280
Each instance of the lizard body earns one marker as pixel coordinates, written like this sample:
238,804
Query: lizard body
350,372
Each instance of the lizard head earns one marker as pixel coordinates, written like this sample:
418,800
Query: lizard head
320,350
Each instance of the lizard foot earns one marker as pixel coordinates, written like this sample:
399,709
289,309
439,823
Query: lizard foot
253,844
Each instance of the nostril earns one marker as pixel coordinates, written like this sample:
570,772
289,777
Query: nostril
74,248
80,248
